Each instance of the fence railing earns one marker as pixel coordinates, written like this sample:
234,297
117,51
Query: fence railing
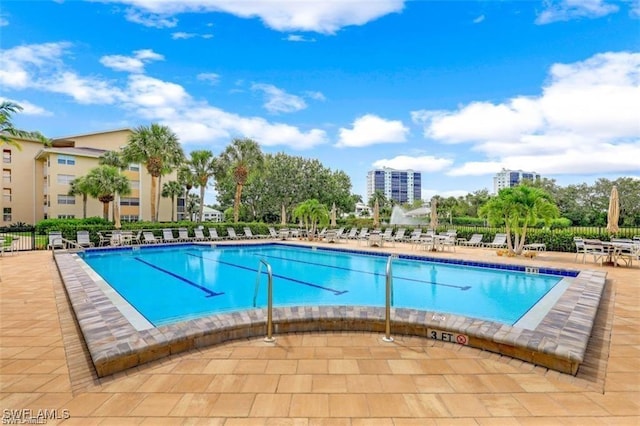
22,238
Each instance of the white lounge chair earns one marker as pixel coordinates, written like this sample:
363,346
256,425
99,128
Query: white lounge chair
249,234
167,236
149,238
83,239
499,241
232,234
55,240
198,235
353,234
183,234
213,234
474,241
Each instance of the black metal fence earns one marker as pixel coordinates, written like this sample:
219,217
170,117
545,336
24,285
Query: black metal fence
22,239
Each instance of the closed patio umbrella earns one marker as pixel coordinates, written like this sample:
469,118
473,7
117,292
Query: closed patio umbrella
434,214
333,216
283,216
613,214
376,214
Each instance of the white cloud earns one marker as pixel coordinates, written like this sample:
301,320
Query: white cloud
584,121
132,64
18,64
150,20
41,68
478,19
277,100
565,10
299,38
425,163
318,96
210,77
3,21
370,130
180,35
326,17
28,108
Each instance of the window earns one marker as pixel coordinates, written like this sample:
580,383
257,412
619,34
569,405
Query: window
6,214
6,175
134,167
129,201
66,199
6,195
6,156
65,179
135,184
66,159
129,218
66,216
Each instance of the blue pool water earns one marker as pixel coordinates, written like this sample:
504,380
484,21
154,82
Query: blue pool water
169,284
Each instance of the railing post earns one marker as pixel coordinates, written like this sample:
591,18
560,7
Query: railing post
269,338
389,295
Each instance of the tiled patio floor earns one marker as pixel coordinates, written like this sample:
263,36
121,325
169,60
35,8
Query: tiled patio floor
312,379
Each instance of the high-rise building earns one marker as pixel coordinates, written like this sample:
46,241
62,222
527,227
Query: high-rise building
401,186
36,178
508,178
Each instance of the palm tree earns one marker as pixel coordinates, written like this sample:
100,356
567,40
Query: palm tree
7,129
312,213
517,208
105,181
203,167
186,179
191,204
171,189
240,159
113,158
80,186
159,149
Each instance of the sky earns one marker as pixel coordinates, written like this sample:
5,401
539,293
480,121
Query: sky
457,90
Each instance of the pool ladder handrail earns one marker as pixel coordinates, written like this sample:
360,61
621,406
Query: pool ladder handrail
269,338
388,301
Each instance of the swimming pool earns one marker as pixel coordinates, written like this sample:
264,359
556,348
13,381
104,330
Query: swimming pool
172,284
554,333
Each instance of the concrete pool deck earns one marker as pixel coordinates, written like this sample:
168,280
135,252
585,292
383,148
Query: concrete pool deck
314,378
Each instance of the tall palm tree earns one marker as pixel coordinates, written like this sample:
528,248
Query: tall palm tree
203,167
518,208
7,129
159,149
240,159
186,179
105,181
80,186
171,189
113,158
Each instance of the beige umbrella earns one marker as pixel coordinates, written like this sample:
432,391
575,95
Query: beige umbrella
333,216
613,215
283,216
116,212
376,214
434,214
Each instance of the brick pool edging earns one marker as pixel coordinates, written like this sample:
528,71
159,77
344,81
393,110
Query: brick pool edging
558,342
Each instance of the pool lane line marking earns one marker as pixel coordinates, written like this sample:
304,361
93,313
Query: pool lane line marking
334,291
183,279
461,287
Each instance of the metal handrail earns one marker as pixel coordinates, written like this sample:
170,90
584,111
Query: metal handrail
388,301
269,338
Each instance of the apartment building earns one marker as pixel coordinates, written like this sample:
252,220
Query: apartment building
508,178
401,186
35,179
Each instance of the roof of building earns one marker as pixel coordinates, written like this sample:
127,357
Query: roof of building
80,151
93,133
